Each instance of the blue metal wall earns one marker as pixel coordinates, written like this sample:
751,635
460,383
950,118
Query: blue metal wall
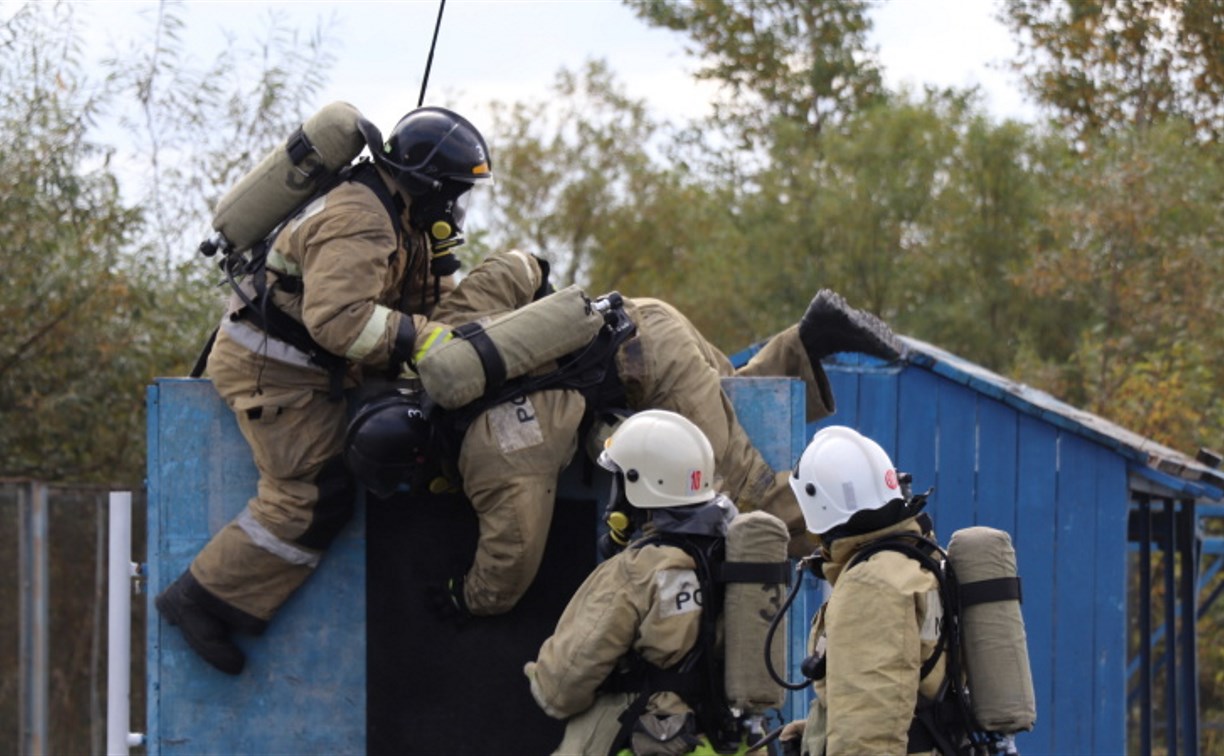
1062,497
1064,501
303,690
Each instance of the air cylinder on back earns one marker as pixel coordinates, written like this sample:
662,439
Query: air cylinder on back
453,374
755,572
289,175
994,645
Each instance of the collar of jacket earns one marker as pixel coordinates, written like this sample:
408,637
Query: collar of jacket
846,547
708,519
403,201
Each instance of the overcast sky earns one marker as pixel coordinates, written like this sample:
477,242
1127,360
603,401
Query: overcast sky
510,50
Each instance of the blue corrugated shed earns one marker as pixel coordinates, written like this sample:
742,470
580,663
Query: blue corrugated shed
1061,481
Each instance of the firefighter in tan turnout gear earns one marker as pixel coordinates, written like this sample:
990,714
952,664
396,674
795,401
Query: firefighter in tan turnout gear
347,282
642,607
875,643
511,455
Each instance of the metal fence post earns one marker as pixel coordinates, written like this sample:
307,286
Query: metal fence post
33,580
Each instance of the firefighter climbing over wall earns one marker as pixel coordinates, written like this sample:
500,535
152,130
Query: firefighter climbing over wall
635,664
332,294
511,444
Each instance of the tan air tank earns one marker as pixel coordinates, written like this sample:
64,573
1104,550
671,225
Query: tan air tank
993,642
758,540
453,374
287,177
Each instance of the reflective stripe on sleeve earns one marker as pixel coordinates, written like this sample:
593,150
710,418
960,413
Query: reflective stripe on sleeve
431,341
264,539
281,264
374,329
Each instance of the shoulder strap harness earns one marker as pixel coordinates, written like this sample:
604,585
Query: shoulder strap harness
945,723
590,371
698,676
261,312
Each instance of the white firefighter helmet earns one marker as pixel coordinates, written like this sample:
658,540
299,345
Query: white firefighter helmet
841,473
665,459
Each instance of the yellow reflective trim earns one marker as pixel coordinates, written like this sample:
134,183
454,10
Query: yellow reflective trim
370,335
282,264
430,342
481,169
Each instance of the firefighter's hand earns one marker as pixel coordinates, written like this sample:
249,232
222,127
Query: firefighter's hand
447,602
791,739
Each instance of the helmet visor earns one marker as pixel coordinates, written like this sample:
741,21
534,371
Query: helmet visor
605,461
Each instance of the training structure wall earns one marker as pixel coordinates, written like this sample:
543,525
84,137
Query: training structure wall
356,662
303,690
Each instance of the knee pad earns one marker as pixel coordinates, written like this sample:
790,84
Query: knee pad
337,501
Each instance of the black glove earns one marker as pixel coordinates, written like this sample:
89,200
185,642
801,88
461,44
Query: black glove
545,288
446,601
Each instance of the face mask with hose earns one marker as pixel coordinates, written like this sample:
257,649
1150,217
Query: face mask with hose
435,157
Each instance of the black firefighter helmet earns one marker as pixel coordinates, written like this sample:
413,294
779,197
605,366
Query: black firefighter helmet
387,443
432,147
435,156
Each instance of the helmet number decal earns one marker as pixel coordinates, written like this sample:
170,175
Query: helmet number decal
694,481
890,479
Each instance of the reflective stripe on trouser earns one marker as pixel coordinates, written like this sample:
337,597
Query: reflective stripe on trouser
304,497
671,366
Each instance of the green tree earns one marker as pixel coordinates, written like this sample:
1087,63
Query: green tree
1103,65
966,293
1132,235
103,294
198,129
67,392
795,60
567,167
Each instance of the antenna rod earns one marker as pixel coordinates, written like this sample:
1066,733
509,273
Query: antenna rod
432,45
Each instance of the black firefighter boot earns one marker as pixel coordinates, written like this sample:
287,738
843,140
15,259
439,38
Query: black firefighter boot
201,617
830,326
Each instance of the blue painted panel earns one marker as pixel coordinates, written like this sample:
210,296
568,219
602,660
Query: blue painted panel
917,429
997,465
303,690
954,486
1109,602
845,387
1034,541
877,407
802,612
771,412
1074,557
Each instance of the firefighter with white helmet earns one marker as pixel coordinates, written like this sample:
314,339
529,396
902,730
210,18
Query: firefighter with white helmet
640,610
875,643
339,292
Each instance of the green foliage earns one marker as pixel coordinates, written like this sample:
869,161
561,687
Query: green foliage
1132,236
102,294
199,129
567,169
68,391
1104,65
794,60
